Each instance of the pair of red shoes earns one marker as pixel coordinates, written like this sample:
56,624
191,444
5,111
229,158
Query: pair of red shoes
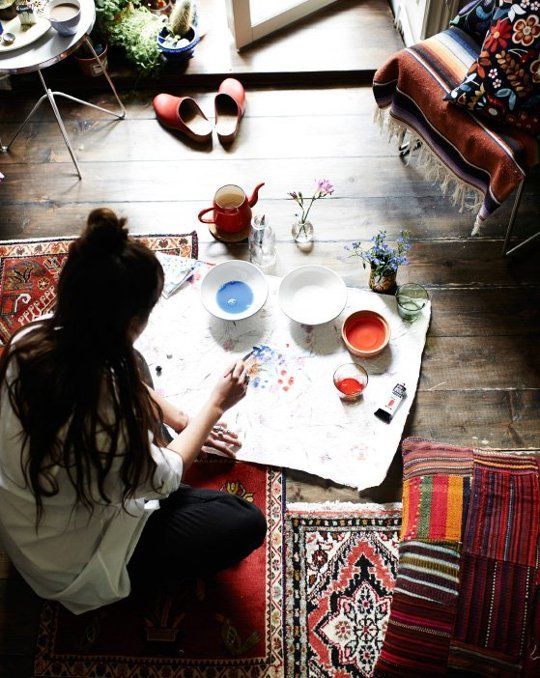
185,115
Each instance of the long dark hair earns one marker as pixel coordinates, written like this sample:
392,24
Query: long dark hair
78,391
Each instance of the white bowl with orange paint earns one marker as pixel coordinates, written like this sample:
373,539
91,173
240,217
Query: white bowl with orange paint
365,333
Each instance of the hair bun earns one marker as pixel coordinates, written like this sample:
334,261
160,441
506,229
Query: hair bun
105,233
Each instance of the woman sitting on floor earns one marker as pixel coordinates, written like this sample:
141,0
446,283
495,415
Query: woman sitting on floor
82,442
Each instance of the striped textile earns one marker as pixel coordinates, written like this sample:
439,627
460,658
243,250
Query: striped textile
504,510
473,661
417,640
433,507
467,593
424,456
485,164
492,605
429,570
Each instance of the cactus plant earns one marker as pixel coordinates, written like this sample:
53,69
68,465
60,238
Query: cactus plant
181,18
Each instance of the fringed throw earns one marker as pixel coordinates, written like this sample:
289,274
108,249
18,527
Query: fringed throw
476,167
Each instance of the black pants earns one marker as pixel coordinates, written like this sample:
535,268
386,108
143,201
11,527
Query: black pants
195,532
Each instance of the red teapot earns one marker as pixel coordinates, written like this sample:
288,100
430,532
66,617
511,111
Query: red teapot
231,209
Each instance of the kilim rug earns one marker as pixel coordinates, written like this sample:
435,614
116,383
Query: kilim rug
29,271
228,627
341,563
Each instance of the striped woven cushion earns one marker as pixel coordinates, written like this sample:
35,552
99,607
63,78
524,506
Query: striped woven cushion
467,586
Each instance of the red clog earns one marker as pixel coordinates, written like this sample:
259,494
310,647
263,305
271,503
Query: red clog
230,104
184,115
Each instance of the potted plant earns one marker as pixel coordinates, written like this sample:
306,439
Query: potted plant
134,28
179,37
88,64
382,259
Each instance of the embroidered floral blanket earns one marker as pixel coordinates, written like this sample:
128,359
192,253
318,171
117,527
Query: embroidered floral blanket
478,166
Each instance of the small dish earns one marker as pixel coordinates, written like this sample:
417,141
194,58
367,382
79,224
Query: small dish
23,38
365,333
312,295
242,274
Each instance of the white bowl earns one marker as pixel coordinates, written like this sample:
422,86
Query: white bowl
312,295
229,271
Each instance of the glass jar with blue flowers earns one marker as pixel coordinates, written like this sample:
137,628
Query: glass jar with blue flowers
382,259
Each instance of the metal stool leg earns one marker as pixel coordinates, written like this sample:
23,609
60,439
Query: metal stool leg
50,96
60,122
5,149
120,115
509,229
107,77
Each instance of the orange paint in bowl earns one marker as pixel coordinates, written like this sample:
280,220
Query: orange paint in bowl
365,333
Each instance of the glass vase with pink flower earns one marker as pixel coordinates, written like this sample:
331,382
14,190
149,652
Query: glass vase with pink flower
302,229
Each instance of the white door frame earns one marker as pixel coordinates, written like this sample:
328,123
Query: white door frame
244,32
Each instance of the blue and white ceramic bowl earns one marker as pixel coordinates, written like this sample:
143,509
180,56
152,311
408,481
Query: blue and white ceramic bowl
229,272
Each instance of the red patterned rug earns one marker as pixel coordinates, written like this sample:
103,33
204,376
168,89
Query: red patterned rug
227,627
340,572
29,271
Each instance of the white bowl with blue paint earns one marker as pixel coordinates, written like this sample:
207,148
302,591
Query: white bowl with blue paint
234,290
312,295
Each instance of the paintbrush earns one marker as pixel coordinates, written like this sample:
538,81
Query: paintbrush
246,357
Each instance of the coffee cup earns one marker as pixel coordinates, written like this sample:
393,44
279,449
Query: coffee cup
64,16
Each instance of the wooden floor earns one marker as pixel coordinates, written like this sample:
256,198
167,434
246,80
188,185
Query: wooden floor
480,382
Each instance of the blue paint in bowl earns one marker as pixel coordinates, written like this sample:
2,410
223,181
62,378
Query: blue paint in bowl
234,296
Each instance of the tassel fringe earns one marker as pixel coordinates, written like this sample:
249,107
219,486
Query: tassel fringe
461,194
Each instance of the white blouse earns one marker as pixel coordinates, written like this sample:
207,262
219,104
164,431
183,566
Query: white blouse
75,557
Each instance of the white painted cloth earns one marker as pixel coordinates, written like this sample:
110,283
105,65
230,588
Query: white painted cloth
301,424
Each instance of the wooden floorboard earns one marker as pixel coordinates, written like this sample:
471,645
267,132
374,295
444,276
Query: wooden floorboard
480,382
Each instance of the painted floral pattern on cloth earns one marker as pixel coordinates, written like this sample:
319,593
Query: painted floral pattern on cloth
341,569
268,369
503,84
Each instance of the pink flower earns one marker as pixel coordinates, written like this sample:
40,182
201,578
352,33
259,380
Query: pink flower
325,187
294,195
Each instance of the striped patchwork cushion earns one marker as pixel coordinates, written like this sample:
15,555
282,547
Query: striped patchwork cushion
467,589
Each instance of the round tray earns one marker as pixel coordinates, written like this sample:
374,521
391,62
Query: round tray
240,236
24,37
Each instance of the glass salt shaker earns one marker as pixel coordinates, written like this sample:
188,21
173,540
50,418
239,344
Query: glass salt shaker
262,243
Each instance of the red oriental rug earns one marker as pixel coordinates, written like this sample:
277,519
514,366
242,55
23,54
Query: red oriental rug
227,627
29,271
341,568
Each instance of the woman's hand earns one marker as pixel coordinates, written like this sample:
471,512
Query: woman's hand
231,387
221,439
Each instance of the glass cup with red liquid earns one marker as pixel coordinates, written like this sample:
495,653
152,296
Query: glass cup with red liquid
350,380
